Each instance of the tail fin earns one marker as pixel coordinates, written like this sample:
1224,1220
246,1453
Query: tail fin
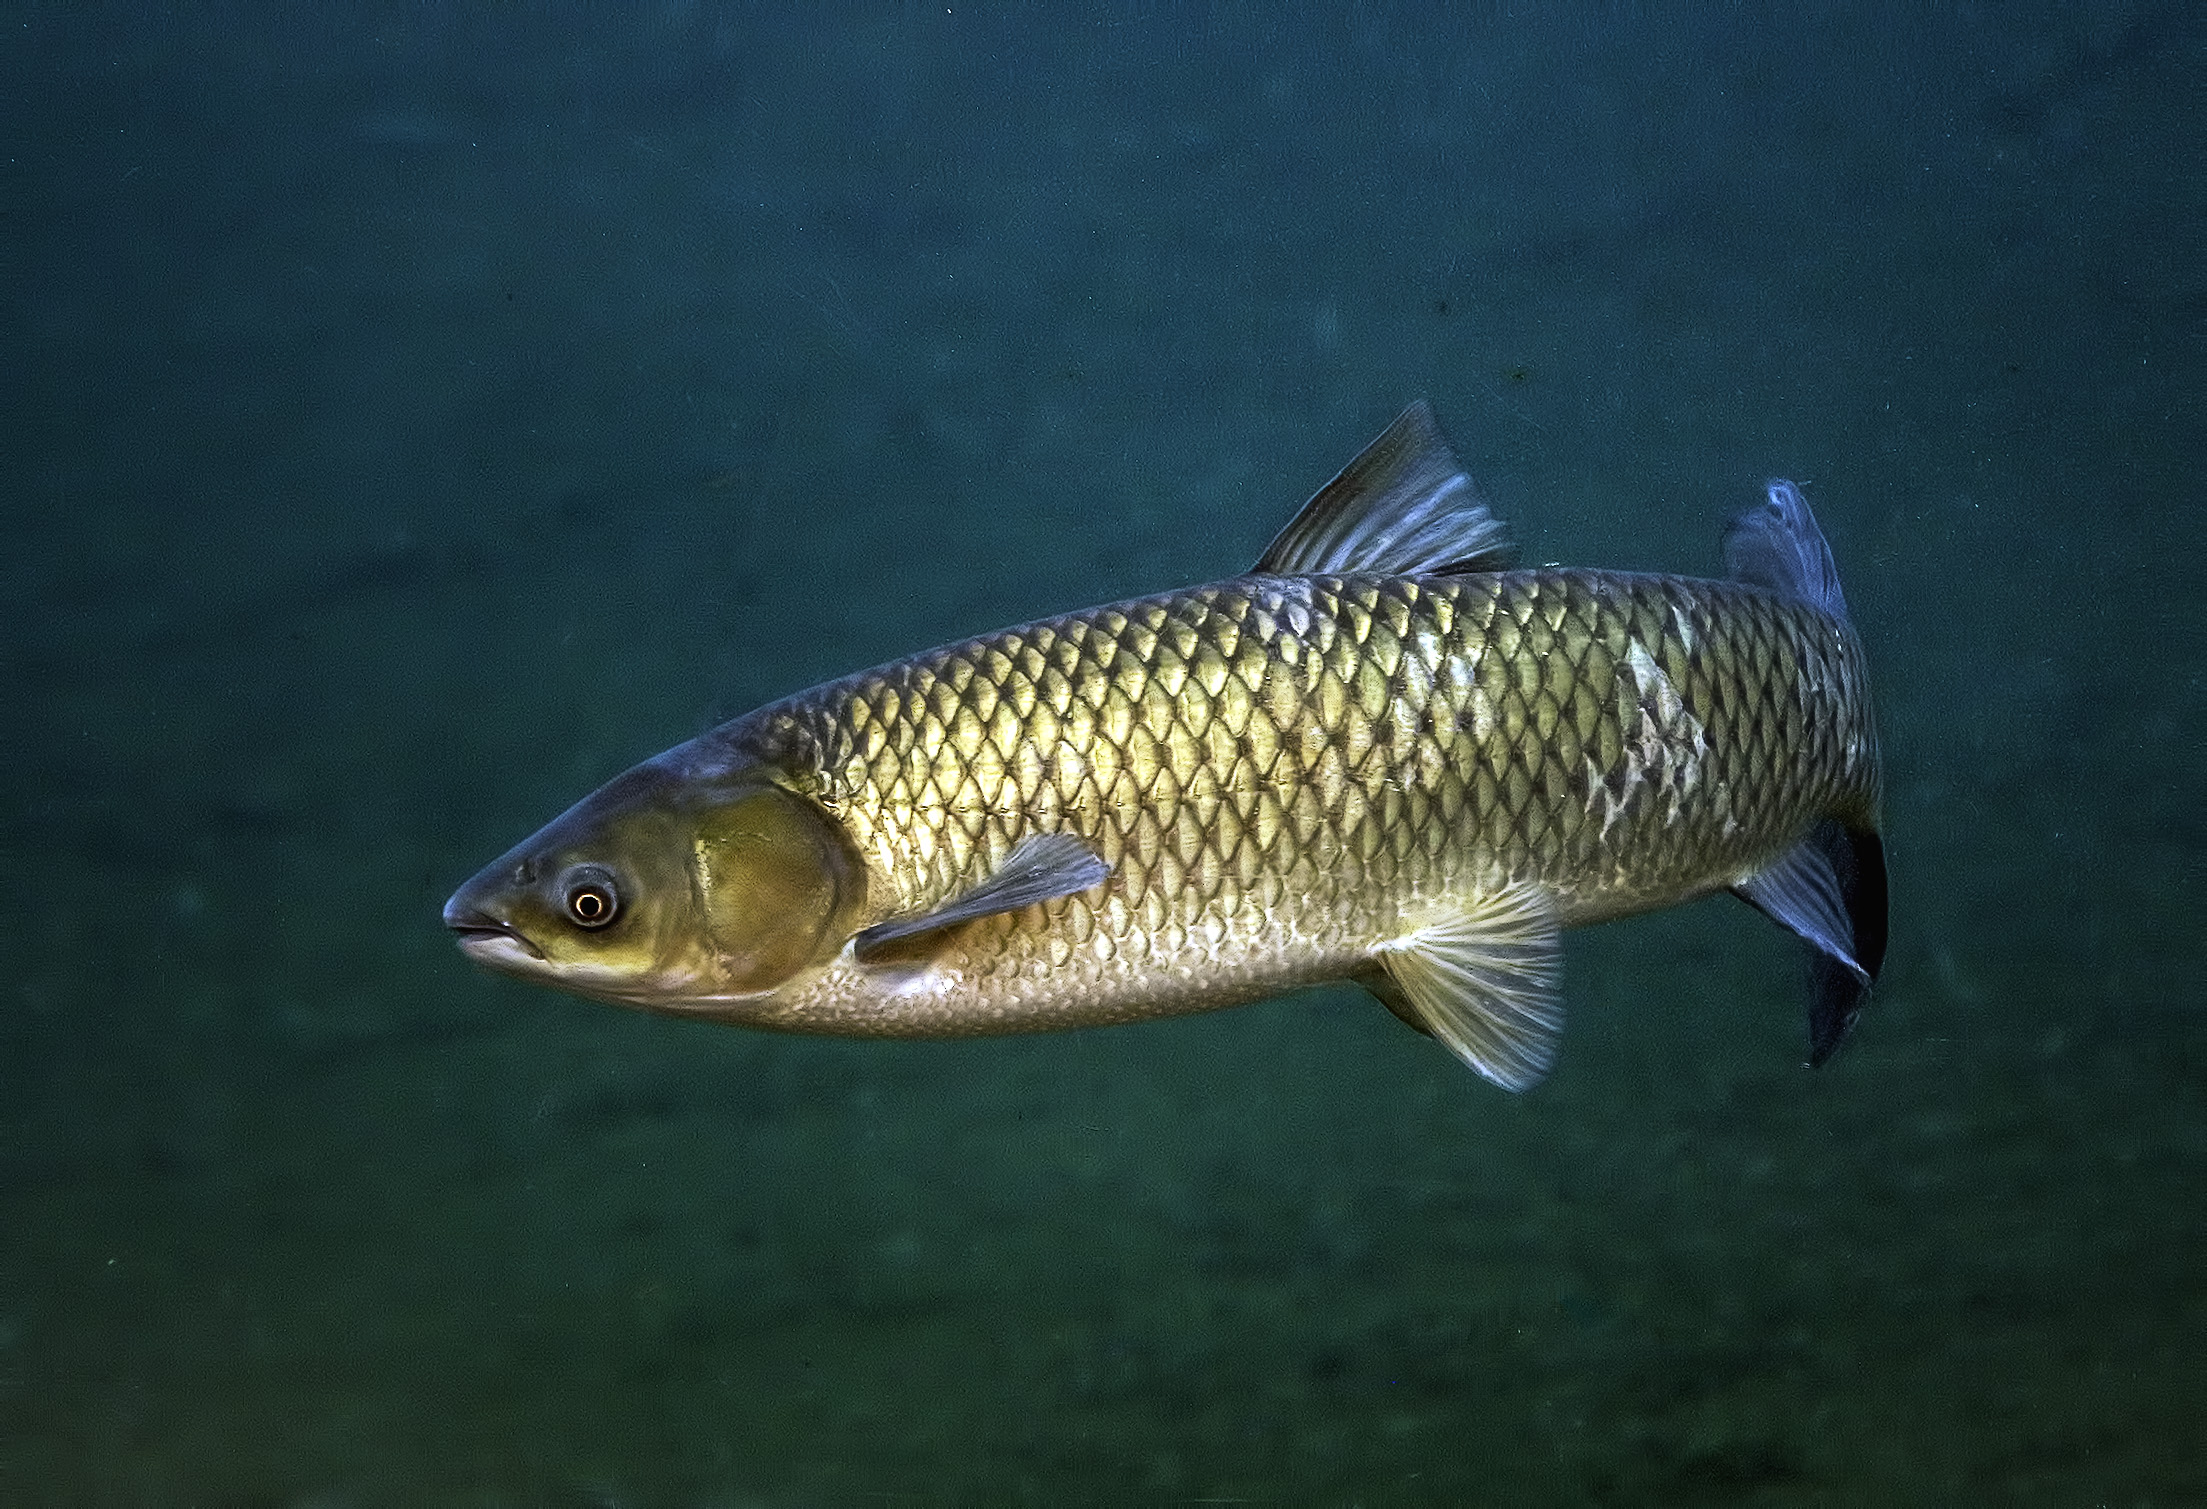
1858,854
1829,889
1779,546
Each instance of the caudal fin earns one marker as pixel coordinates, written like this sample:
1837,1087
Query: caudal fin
1779,546
1829,889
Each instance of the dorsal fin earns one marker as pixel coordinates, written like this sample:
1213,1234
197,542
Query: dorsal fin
1779,546
1402,507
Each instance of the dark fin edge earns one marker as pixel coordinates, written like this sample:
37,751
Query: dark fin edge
1402,507
1779,546
1829,890
1041,867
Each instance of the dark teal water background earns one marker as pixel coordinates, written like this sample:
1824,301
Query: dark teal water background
411,416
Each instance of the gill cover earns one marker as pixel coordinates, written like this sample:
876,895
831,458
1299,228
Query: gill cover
774,875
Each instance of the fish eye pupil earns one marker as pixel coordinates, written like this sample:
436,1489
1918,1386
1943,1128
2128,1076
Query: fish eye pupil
592,901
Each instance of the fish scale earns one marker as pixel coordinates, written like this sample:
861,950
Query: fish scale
1278,769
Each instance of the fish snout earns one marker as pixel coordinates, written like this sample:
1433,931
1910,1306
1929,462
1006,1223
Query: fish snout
483,936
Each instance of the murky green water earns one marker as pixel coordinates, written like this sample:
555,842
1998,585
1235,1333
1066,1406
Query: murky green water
409,420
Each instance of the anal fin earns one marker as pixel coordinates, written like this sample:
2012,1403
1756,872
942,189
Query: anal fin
1485,977
1039,868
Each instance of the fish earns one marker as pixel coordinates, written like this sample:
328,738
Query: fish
1381,756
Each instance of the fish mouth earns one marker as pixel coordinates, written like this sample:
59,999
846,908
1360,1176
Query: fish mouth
488,940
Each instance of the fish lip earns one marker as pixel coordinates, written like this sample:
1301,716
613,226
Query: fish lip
499,948
484,937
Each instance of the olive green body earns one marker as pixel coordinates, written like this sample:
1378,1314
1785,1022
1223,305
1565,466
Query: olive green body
1285,772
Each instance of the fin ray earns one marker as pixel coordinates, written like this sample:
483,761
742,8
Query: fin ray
1403,506
1486,979
1041,867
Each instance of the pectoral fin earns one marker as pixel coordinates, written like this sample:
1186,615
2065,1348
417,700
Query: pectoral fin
1486,979
1041,868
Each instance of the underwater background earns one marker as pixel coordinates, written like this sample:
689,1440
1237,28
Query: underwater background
411,416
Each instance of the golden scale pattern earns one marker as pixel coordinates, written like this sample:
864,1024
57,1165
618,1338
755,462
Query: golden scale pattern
1276,768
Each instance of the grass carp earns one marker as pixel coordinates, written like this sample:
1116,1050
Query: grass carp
1380,756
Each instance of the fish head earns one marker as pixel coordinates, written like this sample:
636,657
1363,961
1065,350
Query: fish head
671,889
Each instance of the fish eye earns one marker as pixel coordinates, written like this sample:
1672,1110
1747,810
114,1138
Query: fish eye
592,899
